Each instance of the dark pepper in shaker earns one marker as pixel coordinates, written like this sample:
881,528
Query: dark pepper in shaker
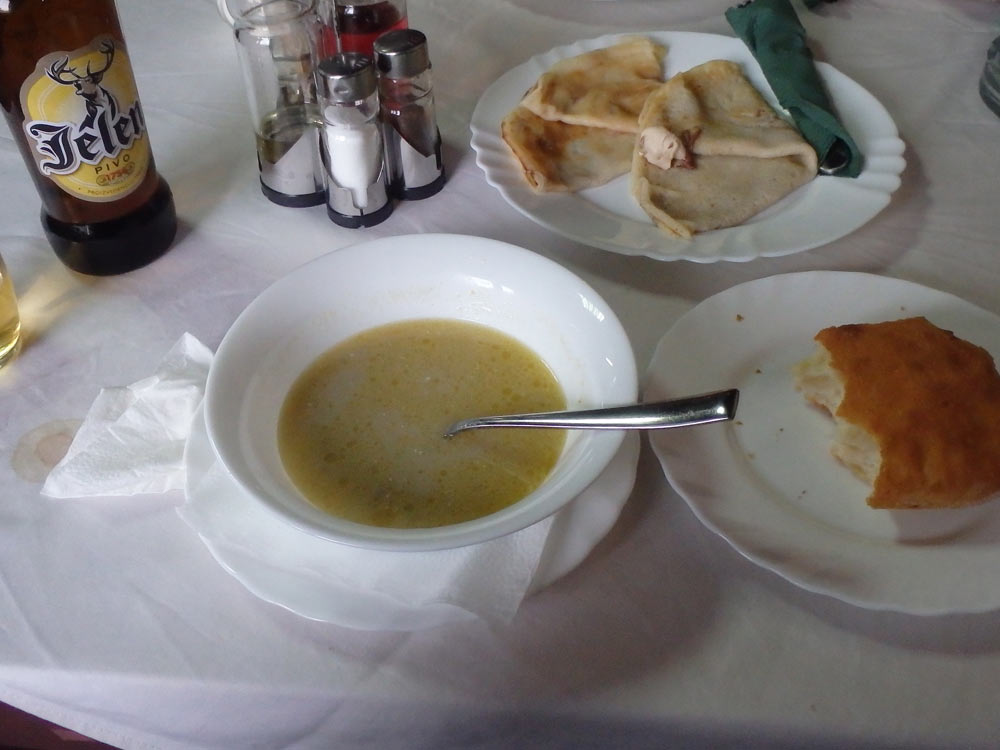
412,139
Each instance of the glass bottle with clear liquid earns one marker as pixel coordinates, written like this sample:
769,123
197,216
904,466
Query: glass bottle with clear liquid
278,43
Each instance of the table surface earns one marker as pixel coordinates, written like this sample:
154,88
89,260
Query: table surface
116,622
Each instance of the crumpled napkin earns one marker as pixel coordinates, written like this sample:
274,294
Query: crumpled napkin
141,439
132,440
775,36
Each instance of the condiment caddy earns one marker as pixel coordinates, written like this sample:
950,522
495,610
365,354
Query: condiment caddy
345,119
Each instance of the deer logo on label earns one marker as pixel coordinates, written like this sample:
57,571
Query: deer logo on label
88,86
84,121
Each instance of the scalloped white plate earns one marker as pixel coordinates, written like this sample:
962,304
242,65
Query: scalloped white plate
285,566
608,218
768,485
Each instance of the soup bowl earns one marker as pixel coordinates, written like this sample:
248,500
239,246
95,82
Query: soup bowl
443,276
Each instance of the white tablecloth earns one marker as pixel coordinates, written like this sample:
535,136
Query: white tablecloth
116,622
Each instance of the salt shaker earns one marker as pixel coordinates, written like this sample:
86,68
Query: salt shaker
353,157
412,140
278,43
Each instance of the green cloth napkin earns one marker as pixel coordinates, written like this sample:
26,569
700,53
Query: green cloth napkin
777,39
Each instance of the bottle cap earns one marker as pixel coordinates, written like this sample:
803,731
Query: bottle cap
346,77
401,53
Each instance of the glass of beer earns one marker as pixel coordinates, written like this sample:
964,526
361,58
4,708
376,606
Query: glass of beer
10,320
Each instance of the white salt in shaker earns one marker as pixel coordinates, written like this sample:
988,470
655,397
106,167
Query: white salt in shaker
353,157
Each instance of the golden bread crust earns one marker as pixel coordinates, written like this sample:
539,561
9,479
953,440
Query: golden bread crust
559,157
932,403
603,88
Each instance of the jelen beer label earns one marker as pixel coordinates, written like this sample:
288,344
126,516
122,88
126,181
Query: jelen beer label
83,121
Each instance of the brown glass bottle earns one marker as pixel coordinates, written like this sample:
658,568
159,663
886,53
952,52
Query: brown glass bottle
68,94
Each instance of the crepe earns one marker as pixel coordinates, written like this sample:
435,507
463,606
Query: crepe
558,157
917,411
604,88
711,152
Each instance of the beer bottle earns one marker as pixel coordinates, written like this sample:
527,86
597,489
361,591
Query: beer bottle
69,96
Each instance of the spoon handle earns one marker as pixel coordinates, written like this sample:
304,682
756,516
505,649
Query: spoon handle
682,412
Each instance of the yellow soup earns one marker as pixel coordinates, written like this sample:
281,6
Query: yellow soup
361,430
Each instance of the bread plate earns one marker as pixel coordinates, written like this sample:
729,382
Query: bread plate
769,486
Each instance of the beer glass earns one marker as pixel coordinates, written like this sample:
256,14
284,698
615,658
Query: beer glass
10,320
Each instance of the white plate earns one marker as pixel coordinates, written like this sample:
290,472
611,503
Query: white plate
282,571
768,485
607,217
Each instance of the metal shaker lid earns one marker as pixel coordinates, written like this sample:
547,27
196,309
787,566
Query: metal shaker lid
346,77
401,53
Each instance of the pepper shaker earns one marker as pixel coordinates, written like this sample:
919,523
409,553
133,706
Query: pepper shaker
412,139
353,157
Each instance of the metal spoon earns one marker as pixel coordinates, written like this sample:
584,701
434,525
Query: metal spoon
682,412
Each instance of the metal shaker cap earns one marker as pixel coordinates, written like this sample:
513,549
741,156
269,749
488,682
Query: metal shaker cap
346,77
401,53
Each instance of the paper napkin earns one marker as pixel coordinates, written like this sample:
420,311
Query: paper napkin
132,440
775,36
358,588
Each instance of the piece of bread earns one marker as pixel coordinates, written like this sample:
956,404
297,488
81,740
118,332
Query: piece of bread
603,88
917,411
558,157
730,155
575,127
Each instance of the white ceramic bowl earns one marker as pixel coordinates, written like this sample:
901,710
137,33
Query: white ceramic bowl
516,291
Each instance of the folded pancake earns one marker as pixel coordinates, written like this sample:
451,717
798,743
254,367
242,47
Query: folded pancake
603,88
917,411
559,157
711,152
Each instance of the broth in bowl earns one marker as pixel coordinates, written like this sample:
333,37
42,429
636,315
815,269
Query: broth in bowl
361,431
382,282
